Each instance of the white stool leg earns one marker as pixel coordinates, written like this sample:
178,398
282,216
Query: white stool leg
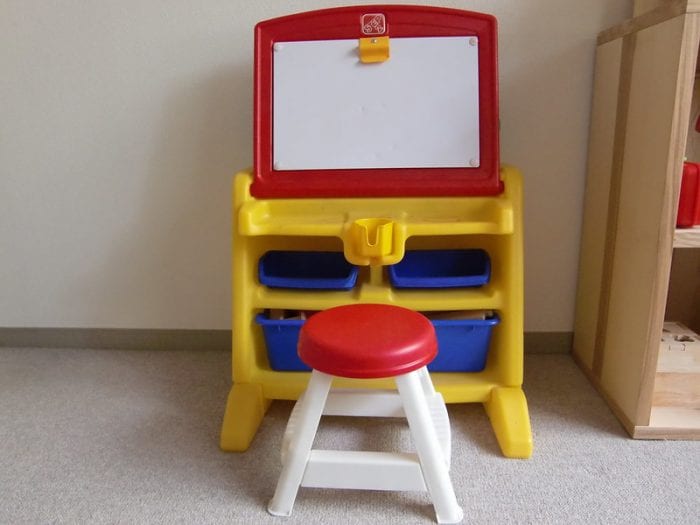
426,382
431,457
440,419
310,412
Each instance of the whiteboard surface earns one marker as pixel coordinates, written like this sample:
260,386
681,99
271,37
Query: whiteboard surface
419,109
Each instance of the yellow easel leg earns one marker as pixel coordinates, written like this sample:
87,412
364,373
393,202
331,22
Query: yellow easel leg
507,410
245,409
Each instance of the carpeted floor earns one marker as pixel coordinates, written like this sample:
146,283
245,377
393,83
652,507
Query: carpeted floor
103,436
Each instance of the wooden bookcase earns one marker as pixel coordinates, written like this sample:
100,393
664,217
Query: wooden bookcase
636,269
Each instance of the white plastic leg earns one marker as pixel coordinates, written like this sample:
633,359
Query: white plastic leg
310,412
438,412
426,382
432,460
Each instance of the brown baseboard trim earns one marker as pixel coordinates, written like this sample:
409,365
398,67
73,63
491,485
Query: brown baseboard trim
115,338
548,342
145,339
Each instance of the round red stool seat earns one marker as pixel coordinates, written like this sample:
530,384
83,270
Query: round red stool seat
367,341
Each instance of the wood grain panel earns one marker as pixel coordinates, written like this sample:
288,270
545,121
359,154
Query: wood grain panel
643,243
593,235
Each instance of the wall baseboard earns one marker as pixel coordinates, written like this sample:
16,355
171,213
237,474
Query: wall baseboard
115,338
146,339
548,342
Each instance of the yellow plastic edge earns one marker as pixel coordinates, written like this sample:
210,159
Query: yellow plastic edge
507,410
245,409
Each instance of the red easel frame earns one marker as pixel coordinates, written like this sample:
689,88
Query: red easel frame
401,21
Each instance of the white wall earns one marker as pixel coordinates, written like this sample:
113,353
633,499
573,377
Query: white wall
122,122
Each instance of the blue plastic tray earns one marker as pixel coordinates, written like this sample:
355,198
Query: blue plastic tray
463,344
441,269
309,270
281,338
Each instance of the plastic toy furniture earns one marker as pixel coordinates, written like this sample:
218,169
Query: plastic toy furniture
369,341
329,125
689,199
374,165
492,223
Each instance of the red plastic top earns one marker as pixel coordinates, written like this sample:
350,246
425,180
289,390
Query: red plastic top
367,341
398,21
689,200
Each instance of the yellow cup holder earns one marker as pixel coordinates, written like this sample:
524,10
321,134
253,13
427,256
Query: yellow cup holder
372,237
373,241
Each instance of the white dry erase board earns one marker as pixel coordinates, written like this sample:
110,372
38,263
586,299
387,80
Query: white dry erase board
418,109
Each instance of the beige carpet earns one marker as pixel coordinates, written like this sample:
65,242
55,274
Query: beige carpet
104,436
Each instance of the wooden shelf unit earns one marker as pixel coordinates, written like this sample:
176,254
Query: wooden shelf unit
630,248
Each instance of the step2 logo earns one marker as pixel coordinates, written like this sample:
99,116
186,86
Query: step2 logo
373,24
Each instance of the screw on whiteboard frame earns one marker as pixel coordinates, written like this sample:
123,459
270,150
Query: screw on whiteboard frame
277,46
474,163
277,166
473,41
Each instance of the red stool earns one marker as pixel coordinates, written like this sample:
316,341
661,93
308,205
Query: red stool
368,341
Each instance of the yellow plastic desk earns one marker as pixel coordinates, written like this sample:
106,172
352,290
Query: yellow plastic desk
374,232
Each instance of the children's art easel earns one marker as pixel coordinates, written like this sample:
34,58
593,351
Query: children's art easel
376,136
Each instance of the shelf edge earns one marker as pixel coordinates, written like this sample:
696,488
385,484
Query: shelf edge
686,237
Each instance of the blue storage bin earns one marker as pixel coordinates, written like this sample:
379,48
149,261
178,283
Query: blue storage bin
441,269
308,270
463,344
281,338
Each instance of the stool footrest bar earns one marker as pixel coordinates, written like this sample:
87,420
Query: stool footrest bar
377,403
353,469
367,403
